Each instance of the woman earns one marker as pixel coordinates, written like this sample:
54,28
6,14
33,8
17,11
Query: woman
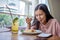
44,21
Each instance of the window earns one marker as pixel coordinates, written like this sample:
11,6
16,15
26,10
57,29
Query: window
22,8
18,8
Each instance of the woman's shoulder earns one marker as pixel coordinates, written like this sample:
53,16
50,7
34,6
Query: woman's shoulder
54,20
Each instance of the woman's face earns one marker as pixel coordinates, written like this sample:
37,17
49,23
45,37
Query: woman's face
40,15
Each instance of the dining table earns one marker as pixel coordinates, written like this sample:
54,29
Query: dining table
8,35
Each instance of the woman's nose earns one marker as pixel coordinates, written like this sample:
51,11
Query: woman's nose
39,17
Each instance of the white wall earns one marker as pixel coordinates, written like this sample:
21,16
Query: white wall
55,8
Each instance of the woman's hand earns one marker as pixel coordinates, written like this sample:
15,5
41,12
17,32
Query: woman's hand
28,20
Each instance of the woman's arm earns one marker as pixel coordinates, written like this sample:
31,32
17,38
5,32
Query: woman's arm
28,21
29,26
58,28
34,27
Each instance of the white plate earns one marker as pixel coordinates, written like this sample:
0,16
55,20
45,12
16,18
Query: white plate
44,35
37,32
4,29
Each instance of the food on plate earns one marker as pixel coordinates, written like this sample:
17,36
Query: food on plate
30,30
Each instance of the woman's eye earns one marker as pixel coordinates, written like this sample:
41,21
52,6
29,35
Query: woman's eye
36,15
39,15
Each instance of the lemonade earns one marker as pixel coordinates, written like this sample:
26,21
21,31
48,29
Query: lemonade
15,25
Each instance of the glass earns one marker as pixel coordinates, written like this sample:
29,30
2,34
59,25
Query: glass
15,26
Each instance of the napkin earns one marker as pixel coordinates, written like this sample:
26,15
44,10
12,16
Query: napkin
44,35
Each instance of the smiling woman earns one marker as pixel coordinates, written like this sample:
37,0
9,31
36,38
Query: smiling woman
44,21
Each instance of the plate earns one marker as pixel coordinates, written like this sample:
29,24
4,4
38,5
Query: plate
4,29
33,33
44,35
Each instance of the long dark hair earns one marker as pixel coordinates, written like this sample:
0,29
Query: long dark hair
47,13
